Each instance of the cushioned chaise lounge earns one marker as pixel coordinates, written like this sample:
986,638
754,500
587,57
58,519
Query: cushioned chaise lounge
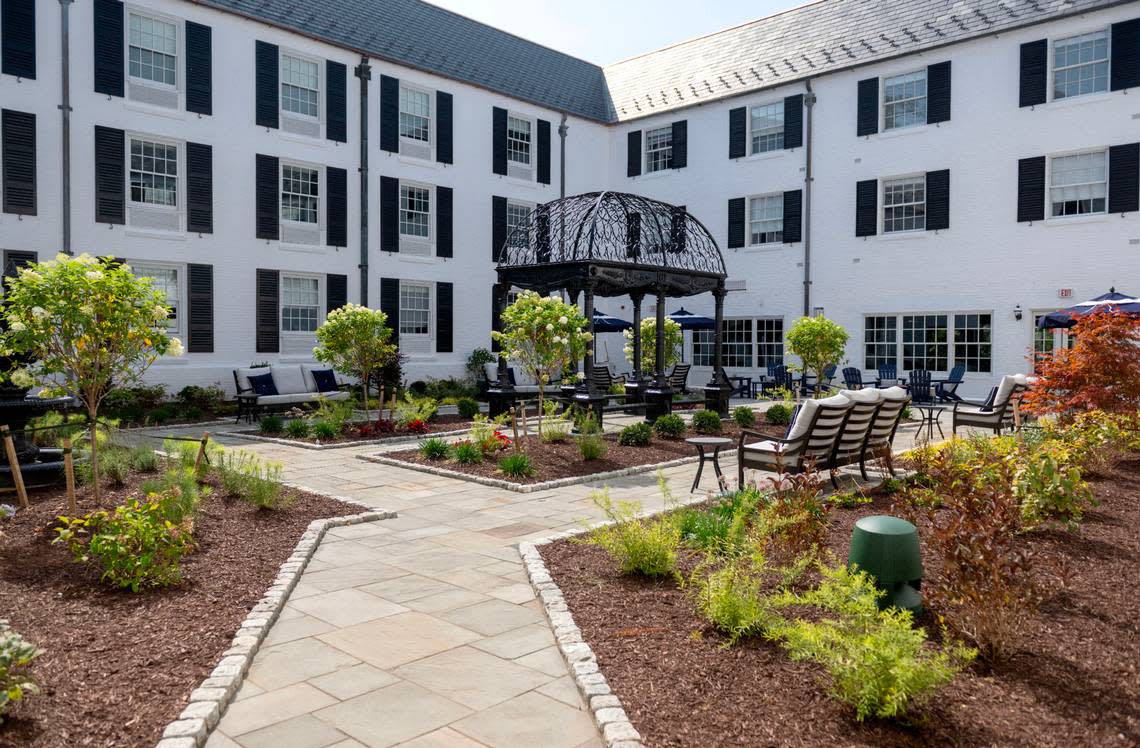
810,440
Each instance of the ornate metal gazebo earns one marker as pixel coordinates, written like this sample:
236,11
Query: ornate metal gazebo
615,244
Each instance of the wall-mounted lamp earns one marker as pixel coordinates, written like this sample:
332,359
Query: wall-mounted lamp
1017,313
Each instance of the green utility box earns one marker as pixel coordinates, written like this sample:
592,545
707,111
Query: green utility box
887,549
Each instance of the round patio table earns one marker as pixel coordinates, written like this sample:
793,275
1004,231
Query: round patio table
702,443
930,414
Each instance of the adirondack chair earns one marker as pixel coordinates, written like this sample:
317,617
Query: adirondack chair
919,387
888,376
852,378
782,378
945,389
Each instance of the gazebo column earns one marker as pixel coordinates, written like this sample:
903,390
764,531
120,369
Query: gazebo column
659,397
569,386
719,389
585,395
501,394
635,385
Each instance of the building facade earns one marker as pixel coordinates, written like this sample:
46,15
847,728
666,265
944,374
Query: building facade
930,181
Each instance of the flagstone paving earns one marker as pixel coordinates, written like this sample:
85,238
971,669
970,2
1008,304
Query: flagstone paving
420,631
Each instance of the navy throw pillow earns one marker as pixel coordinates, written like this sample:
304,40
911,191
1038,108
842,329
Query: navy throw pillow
325,379
262,384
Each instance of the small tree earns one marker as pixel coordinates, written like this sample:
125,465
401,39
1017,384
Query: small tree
674,339
87,325
819,342
1100,372
545,335
356,341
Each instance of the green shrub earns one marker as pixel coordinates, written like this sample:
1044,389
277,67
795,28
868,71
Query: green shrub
744,416
434,449
670,426
849,499
128,400
415,409
723,526
592,446
556,427
164,413
636,435
1049,486
324,430
778,414
336,413
517,465
706,422
906,413
271,424
114,466
467,407
467,452
143,459
176,492
211,398
639,546
244,476
440,389
185,454
732,599
16,655
298,428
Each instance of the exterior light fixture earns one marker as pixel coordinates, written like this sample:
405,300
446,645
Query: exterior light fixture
1017,313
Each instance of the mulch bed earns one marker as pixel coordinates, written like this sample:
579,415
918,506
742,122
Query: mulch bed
555,461
438,425
118,665
1074,681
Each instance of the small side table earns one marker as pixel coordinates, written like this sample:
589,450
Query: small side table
702,443
931,413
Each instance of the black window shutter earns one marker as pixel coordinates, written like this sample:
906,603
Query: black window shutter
866,207
444,318
738,132
1125,62
633,154
633,235
108,45
499,140
389,114
14,260
794,121
868,107
338,207
18,55
443,222
1124,178
336,293
444,151
268,311
268,84
389,214
680,144
1031,189
268,197
199,188
336,124
199,69
938,200
736,210
390,304
498,226
110,177
938,92
200,327
18,161
793,216
543,152
1034,75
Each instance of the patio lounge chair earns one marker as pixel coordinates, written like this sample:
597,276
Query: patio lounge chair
849,447
998,412
945,389
888,376
852,378
602,379
881,436
679,377
810,441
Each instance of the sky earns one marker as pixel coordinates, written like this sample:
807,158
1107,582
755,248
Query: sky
605,31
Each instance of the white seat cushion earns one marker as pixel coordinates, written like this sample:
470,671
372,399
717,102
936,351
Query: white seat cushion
245,374
491,371
863,396
895,393
1005,386
288,379
767,446
807,412
296,397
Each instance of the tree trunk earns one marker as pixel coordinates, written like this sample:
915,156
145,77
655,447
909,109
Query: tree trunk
364,390
540,410
93,433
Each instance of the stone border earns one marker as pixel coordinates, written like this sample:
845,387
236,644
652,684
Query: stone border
209,701
532,487
250,436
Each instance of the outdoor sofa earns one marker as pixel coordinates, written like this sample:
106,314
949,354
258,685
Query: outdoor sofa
283,386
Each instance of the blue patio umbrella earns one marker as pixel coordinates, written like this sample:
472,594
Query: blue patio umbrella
605,323
1065,318
689,321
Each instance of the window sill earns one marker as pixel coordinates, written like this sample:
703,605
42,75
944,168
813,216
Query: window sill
766,155
420,259
657,174
531,183
176,113
1070,101
1077,220
765,248
429,163
900,132
317,249
904,235
177,236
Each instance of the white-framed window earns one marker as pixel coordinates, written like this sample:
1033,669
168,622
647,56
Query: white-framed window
769,341
904,100
152,49
1080,65
517,214
904,204
153,172
1045,342
300,303
300,194
973,340
767,127
766,219
415,211
415,309
518,139
880,341
1078,184
659,149
415,114
925,342
703,347
737,342
167,279
300,86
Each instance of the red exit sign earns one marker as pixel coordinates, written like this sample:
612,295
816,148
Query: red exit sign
1065,293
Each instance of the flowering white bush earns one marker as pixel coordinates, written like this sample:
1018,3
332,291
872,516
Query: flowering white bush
674,339
356,340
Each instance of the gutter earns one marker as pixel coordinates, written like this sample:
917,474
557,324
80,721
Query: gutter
363,71
809,103
65,114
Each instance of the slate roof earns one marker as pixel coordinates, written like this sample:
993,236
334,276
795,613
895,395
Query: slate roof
820,37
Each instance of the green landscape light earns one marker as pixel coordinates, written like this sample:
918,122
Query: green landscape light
887,549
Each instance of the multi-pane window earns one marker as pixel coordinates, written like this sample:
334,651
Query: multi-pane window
415,211
153,50
972,340
904,204
703,342
154,173
768,127
1045,342
925,343
904,100
300,194
164,279
1078,184
415,309
1080,65
659,149
880,341
766,219
415,114
300,303
518,140
738,343
769,342
516,216
299,88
